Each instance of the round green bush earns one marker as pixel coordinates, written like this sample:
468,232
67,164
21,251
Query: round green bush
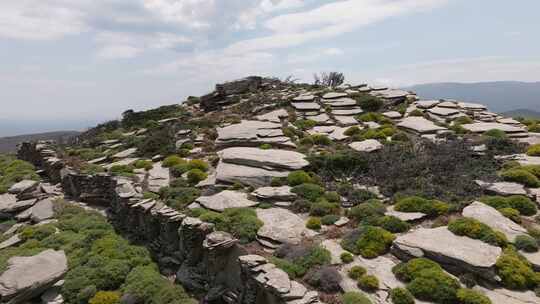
329,219
401,296
353,297
400,136
477,230
496,133
308,191
144,164
296,178
356,272
105,297
265,146
172,161
305,124
351,131
534,169
519,202
346,257
521,176
515,271
322,207
367,212
321,140
419,204
534,150
314,223
195,176
416,113
463,120
332,196
393,224
469,296
511,213
374,241
369,103
526,243
368,283
198,164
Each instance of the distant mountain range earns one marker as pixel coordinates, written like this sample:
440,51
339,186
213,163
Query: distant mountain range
9,144
500,96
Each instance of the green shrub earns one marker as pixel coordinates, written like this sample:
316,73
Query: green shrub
360,196
401,296
526,243
469,296
296,178
13,171
144,164
296,260
122,170
307,141
463,120
242,223
533,169
305,124
392,224
195,176
419,204
534,150
105,297
309,191
37,232
332,196
314,223
496,133
265,146
369,103
353,297
374,241
179,197
427,281
323,207
356,272
477,230
198,164
535,128
521,176
321,140
367,212
346,257
400,136
172,161
352,131
368,283
511,213
92,169
329,219
515,271
417,113
519,202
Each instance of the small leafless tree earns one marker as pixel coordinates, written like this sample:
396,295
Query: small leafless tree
332,79
290,79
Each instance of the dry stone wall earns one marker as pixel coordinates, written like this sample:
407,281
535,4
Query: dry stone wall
204,260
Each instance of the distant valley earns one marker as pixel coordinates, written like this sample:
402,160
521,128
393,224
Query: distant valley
9,144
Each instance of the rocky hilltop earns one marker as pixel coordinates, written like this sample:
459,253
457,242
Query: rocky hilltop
268,191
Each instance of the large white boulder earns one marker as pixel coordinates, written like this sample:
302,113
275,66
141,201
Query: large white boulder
282,226
224,200
266,159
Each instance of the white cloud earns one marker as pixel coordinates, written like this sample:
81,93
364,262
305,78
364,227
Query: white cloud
328,21
313,55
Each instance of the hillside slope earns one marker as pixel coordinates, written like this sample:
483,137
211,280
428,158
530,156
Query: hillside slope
500,96
9,144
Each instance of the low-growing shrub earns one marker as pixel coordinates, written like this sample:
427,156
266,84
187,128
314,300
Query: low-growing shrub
469,296
534,150
325,279
477,230
417,113
496,133
401,296
144,164
321,140
463,120
296,178
353,297
368,241
392,224
309,191
179,197
352,131
122,170
329,219
369,103
519,202
368,283
533,169
173,160
346,257
323,207
515,271
521,176
419,204
511,213
314,223
368,212
265,146
356,272
305,124
195,176
427,281
400,136
296,260
105,297
526,243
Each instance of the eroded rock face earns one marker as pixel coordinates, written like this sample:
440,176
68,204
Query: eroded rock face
481,127
282,226
419,125
494,219
455,253
158,177
272,158
23,186
226,199
256,177
27,277
9,203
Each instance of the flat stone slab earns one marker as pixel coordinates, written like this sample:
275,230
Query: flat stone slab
304,98
27,277
333,95
9,203
494,219
442,245
23,186
274,116
125,153
448,104
340,102
13,240
472,106
505,296
346,120
426,104
282,226
158,177
321,118
266,159
420,125
247,130
275,193
306,106
226,199
443,111
252,176
503,188
392,114
347,112
405,216
42,210
481,127
392,94
369,145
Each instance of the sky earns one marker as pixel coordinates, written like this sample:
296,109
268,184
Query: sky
69,64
